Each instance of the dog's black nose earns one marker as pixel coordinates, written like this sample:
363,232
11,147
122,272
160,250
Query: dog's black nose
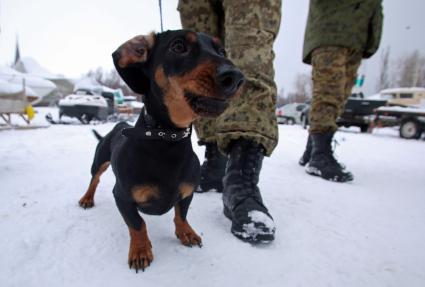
229,79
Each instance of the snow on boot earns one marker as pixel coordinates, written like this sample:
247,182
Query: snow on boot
305,158
212,169
322,161
243,205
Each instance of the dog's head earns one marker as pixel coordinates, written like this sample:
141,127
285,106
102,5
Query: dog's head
182,74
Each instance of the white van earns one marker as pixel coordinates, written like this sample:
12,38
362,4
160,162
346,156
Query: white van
403,96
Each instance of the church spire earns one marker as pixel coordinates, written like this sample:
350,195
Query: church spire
17,52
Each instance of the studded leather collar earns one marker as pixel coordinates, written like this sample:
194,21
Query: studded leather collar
151,131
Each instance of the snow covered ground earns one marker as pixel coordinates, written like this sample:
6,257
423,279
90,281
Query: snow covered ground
370,232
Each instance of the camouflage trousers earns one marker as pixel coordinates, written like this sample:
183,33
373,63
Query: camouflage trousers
334,74
247,29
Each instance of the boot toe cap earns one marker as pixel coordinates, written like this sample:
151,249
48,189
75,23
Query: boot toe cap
252,225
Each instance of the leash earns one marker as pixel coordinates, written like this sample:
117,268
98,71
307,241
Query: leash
150,131
160,14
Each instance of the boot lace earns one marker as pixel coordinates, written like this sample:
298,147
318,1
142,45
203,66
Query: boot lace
333,158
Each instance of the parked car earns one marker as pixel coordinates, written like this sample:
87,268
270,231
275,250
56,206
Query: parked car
290,113
358,112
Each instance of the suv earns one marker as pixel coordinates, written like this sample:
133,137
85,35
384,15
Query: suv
290,113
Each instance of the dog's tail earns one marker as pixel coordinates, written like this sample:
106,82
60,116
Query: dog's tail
97,135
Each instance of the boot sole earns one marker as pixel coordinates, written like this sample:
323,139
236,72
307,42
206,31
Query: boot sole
316,172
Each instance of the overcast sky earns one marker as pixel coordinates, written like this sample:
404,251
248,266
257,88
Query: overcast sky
73,36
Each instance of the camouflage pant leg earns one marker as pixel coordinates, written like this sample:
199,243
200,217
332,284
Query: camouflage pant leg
250,27
334,72
353,63
202,16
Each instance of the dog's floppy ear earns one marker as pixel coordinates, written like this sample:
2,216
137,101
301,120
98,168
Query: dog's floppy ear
129,60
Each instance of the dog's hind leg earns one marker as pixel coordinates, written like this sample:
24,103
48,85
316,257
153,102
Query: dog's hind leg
100,164
87,200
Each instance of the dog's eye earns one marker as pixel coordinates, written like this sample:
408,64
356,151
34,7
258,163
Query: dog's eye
221,51
178,46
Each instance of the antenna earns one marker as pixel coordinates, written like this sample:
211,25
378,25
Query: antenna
0,16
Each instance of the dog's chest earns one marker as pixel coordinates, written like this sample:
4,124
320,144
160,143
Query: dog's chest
159,199
156,177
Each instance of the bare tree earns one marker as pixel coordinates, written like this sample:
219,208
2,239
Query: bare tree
411,70
280,98
384,73
303,89
112,80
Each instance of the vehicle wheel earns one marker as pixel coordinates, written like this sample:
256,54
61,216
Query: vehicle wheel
304,121
291,121
364,128
409,129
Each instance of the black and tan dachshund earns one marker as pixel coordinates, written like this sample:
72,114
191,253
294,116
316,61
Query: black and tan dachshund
182,75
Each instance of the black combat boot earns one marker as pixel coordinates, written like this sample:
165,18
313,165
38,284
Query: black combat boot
305,158
212,169
243,205
322,161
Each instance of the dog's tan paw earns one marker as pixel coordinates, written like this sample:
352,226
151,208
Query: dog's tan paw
86,202
187,235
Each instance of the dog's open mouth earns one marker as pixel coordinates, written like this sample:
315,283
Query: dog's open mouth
206,106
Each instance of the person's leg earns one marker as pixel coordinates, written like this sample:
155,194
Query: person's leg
247,130
250,30
206,16
352,63
329,96
329,81
354,59
305,158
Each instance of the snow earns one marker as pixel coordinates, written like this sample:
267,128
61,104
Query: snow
403,90
87,83
369,232
7,88
267,226
402,109
91,84
38,86
31,66
85,100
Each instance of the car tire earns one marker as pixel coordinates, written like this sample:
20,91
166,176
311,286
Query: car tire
364,128
291,121
304,121
410,129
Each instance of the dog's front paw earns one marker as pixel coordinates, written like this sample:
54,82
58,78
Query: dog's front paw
140,254
187,235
